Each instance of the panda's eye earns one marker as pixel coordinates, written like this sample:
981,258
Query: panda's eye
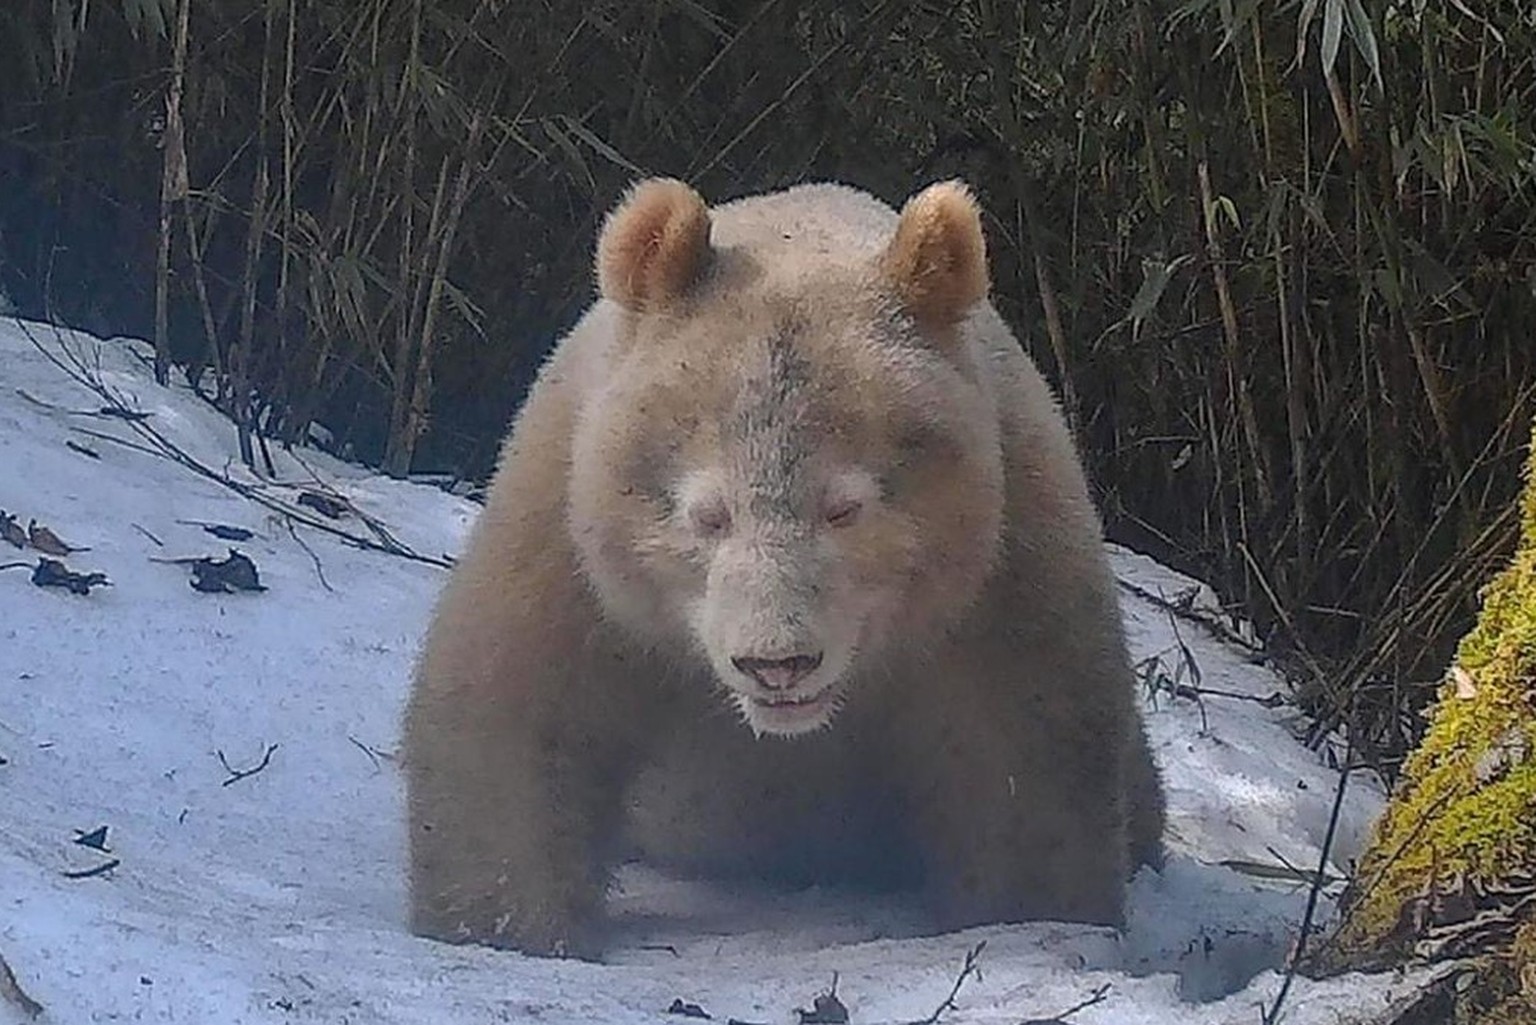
712,519
843,512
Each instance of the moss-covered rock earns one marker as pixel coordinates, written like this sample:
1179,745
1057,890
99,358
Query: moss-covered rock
1451,867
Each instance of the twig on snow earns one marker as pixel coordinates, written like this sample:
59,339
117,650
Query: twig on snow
661,947
1060,1017
158,543
826,1009
107,413
1298,871
125,442
1272,700
1251,649
222,531
155,443
293,532
1184,651
966,971
102,869
236,775
373,756
54,407
1152,675
1272,1015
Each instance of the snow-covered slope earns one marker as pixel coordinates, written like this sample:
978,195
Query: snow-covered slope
278,897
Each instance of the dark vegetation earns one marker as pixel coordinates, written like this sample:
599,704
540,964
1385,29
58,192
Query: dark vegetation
1279,257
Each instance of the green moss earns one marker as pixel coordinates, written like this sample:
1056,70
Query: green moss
1466,809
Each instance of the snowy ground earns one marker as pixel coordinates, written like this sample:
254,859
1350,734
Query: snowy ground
278,897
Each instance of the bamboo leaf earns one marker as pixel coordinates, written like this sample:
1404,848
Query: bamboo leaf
591,138
1388,287
64,37
1313,211
562,140
1429,154
1231,26
706,18
1225,205
1303,27
1155,278
1364,35
1455,156
465,307
152,14
1433,280
1333,32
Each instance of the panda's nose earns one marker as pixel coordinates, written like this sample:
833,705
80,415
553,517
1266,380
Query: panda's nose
777,673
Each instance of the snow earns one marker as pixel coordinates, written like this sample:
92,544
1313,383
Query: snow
279,897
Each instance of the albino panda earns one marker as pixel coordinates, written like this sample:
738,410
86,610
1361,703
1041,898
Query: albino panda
789,569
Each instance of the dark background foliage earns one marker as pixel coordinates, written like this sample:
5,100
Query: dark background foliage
1276,256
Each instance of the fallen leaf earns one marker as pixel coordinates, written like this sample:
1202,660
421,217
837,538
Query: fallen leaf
123,414
325,505
1466,687
45,540
11,531
687,1010
236,573
12,991
52,573
225,533
96,839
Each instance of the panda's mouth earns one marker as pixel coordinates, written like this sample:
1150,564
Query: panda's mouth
790,714
793,701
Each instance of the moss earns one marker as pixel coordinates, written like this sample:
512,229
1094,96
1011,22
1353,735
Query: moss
1466,809
1501,990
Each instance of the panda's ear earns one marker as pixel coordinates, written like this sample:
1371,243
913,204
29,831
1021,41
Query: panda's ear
654,245
936,263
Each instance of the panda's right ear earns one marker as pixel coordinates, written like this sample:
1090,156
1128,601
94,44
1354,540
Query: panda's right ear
654,245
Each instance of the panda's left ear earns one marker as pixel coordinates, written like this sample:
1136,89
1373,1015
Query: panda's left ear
654,245
936,263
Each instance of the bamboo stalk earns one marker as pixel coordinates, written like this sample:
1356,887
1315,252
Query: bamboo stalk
173,189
